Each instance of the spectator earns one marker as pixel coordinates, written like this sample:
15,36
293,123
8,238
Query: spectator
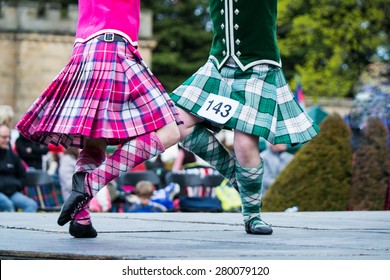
31,152
144,191
52,159
157,165
6,116
12,177
102,202
166,195
66,170
275,159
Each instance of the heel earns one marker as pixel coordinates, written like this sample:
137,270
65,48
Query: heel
82,231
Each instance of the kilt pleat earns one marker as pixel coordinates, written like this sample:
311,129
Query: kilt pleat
105,91
267,107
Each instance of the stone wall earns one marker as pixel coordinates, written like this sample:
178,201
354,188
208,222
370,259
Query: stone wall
25,18
340,106
34,49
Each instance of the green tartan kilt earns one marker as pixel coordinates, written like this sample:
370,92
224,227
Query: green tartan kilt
267,107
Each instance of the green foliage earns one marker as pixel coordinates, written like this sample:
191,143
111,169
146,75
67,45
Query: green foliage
329,42
183,42
318,178
370,169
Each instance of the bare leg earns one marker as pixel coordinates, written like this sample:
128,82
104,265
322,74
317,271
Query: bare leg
189,122
169,135
249,175
246,149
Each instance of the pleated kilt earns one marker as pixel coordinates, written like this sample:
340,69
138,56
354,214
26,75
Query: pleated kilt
266,108
105,91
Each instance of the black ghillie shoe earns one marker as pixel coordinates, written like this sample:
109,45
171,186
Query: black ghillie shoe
82,231
258,226
78,197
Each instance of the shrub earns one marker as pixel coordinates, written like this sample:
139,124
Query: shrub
370,168
319,176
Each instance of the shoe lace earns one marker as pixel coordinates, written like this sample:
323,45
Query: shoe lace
80,206
257,221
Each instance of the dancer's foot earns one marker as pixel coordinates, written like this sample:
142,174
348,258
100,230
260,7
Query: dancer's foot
257,226
82,231
76,201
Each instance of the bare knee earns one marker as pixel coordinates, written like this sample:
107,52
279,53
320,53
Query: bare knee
246,148
184,131
189,122
169,135
174,135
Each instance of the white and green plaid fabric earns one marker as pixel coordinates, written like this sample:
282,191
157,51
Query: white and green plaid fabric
267,107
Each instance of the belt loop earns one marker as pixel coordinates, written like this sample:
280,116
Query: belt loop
108,37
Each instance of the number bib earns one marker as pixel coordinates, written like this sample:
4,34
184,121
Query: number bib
218,109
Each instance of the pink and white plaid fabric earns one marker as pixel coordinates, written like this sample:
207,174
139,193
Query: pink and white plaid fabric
105,91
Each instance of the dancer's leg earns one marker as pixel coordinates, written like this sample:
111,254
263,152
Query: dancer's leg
92,156
203,143
249,174
132,153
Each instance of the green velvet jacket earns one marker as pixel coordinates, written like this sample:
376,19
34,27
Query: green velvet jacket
244,30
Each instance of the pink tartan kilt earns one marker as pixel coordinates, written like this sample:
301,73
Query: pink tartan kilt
105,91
